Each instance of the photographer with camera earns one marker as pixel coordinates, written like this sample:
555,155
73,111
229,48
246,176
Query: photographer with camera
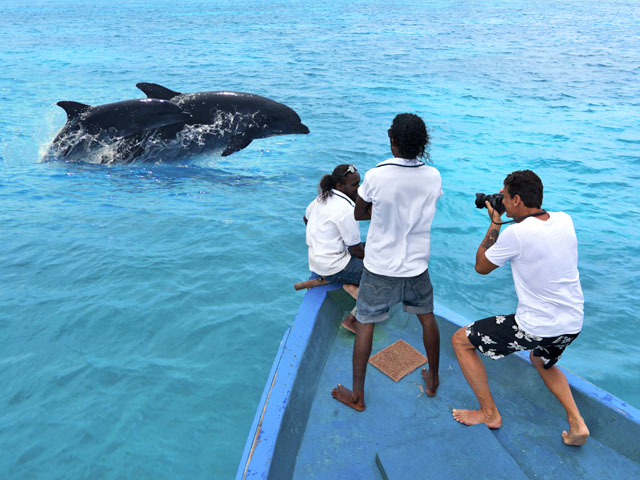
543,251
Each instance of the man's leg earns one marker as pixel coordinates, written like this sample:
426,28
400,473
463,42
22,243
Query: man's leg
476,376
557,384
350,278
361,352
349,321
431,340
351,289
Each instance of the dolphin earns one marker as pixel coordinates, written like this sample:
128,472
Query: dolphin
114,132
224,120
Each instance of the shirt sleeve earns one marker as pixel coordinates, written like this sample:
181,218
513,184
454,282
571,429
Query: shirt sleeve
307,212
364,190
441,192
505,249
349,229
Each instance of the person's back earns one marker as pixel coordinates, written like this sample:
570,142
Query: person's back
544,262
332,233
404,194
331,229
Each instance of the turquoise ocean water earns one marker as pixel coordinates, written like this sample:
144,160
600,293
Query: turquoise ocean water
141,306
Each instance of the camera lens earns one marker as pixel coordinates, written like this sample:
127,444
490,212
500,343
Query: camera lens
480,199
495,200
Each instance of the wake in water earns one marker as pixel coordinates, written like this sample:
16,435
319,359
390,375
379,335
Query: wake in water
107,147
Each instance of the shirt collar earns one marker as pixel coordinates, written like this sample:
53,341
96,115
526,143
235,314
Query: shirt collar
342,195
401,161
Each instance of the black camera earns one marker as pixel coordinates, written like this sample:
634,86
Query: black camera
495,200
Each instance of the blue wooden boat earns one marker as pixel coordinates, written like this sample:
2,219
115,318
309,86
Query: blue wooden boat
300,431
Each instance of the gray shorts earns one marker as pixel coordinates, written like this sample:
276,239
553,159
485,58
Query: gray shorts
350,274
378,293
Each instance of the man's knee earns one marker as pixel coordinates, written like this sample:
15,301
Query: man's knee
364,329
426,318
460,341
537,362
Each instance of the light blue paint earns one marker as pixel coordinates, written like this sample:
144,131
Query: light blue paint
141,306
296,434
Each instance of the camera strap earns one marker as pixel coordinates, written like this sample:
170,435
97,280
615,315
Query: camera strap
519,219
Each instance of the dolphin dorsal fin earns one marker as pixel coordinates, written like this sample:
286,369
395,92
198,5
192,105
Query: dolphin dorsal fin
73,109
153,90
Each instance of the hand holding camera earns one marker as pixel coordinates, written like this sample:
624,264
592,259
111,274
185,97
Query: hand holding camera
493,203
495,200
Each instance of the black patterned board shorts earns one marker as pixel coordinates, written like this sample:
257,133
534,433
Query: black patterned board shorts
499,336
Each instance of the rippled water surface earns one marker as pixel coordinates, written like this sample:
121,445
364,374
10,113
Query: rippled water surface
141,305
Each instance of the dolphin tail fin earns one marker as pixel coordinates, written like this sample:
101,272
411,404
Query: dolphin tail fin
237,143
73,109
153,90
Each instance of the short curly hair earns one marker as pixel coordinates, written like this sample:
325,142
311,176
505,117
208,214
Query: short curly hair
526,184
410,136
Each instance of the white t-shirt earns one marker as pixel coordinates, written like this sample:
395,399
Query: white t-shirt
404,194
331,228
544,263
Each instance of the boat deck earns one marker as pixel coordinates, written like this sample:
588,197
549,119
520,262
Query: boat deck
405,434
301,432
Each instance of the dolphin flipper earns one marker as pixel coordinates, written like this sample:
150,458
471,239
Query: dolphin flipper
73,109
153,90
237,143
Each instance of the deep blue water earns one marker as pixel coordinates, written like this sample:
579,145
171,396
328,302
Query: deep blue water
141,305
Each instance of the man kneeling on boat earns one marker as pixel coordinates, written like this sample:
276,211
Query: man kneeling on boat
543,251
333,234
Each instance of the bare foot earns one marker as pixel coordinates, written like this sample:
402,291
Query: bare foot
349,398
475,417
349,323
431,382
577,435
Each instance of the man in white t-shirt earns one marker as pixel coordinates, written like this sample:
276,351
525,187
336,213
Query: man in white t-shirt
399,197
333,234
543,251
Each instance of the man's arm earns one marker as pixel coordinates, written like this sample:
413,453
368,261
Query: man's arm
357,250
362,211
483,265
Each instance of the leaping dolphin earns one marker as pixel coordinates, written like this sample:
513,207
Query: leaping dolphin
224,120
114,132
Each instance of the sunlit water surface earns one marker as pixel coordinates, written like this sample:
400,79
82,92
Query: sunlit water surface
141,306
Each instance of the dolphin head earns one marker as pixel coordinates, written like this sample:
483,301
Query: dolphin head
279,119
